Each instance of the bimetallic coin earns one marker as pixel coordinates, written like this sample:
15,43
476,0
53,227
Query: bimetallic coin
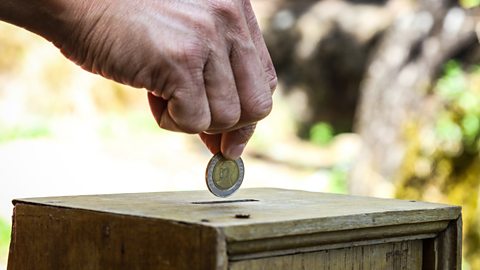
224,176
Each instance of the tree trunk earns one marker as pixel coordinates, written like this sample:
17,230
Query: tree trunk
396,87
320,50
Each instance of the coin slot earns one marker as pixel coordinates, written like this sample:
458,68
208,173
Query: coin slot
242,216
226,202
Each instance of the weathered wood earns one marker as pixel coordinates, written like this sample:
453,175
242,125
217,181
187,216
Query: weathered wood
292,212
400,255
445,250
60,238
449,246
192,230
332,240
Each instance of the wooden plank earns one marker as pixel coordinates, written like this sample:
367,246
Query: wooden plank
448,246
416,258
394,256
291,212
276,253
445,250
58,238
324,240
366,263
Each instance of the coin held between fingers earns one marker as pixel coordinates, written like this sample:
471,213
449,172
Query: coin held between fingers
224,177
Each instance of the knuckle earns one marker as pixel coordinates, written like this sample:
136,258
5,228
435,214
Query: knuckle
230,17
190,52
227,10
249,47
260,107
226,119
194,124
205,25
198,126
272,79
242,48
192,127
189,111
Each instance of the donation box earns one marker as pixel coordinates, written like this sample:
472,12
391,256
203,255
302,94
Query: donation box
254,229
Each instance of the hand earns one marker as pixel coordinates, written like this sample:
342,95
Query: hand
204,62
238,79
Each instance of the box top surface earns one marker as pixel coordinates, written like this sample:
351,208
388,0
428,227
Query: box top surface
260,213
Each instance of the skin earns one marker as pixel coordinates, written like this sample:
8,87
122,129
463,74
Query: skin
204,62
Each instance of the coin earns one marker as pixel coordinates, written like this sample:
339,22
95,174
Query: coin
224,176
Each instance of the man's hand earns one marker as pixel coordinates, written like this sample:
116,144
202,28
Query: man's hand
204,62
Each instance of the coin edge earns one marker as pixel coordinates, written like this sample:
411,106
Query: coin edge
211,184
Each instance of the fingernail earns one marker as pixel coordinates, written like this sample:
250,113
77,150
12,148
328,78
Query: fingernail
234,151
156,94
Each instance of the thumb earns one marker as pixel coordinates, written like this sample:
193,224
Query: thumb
234,142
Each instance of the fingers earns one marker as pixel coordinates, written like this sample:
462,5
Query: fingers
228,90
250,60
233,143
257,38
212,103
157,105
221,91
187,108
255,81
252,86
212,141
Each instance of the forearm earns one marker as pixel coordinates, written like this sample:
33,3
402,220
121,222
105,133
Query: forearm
205,61
51,19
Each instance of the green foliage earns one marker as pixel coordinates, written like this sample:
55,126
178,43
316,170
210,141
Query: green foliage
459,120
4,238
453,83
443,155
470,3
447,129
321,133
339,180
24,131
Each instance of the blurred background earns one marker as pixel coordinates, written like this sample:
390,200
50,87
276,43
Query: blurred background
376,97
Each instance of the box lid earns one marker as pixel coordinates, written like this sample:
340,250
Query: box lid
261,213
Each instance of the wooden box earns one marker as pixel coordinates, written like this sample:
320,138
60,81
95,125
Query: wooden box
256,229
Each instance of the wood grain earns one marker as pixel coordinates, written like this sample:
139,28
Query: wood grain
59,238
292,212
191,230
392,256
328,240
449,246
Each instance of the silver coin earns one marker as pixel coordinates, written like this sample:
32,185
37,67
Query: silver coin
224,176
